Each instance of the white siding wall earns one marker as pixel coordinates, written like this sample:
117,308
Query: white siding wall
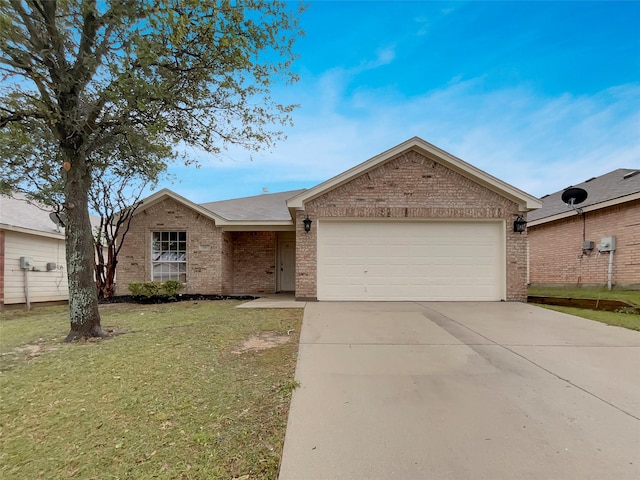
43,286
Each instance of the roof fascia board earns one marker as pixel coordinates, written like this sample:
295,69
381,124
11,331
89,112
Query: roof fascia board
524,200
257,223
590,208
299,200
165,192
273,227
243,225
29,231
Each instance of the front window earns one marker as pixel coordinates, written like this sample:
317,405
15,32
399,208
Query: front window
169,256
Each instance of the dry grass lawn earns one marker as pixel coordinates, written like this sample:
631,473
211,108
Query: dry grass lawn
192,390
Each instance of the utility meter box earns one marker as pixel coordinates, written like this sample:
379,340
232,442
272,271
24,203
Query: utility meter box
51,266
588,245
607,244
26,263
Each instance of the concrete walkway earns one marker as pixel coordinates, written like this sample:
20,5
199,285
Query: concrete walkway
462,391
281,300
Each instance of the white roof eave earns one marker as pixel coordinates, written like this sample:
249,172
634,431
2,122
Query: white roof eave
166,193
30,231
524,200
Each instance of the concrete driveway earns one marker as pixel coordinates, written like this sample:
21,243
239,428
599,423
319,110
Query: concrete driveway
462,391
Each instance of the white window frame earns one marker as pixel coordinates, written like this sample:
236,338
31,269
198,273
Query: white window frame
175,255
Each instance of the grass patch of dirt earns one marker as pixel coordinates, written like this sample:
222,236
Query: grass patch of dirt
262,341
631,296
170,399
622,318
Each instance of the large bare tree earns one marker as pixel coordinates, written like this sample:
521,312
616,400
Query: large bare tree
80,77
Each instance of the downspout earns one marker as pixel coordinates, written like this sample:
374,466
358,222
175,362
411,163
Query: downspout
610,273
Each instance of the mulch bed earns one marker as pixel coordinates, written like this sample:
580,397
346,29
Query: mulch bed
178,298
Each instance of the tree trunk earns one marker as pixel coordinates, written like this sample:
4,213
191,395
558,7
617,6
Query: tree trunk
83,299
105,271
99,271
109,282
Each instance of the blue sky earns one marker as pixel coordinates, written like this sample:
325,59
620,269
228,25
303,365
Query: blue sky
539,94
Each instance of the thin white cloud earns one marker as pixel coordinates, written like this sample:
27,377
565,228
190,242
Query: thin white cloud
538,143
423,25
384,56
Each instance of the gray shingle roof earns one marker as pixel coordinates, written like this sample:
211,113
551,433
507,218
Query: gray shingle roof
266,207
15,211
612,185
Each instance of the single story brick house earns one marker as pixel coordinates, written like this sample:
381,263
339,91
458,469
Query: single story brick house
412,223
568,247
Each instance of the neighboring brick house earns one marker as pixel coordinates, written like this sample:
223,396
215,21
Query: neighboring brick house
413,223
558,253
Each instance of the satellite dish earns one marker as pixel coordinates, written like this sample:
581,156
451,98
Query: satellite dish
58,218
574,196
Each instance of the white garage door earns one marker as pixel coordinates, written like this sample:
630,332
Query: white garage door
392,260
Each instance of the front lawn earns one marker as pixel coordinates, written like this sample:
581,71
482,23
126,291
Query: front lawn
189,390
621,318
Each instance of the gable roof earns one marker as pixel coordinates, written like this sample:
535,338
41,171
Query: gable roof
17,214
525,201
618,186
268,206
267,210
165,193
277,209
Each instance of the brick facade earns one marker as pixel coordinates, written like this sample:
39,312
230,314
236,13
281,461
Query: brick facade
217,262
410,185
208,255
254,262
556,255
226,286
306,256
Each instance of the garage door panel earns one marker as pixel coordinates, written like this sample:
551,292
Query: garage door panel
410,260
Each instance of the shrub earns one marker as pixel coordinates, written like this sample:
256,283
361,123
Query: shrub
172,287
169,289
144,289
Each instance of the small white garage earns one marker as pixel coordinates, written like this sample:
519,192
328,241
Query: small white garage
395,260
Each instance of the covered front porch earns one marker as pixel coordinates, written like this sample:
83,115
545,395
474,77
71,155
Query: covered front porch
259,262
